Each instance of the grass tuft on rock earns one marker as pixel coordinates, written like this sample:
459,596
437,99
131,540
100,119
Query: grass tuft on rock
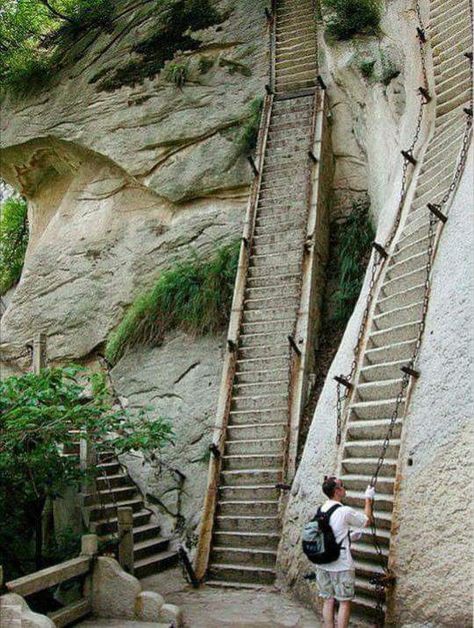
355,236
247,141
194,296
346,18
13,241
177,73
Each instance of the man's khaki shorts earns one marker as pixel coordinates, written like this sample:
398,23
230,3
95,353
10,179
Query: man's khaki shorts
336,584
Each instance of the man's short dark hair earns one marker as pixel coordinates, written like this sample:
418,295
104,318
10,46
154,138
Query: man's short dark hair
329,486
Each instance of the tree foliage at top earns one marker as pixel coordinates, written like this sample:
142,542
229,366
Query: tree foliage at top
346,18
35,33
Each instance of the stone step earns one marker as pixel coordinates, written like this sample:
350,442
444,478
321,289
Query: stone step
261,377
433,179
381,502
381,372
265,388
390,353
257,352
385,484
241,573
401,268
391,335
115,494
370,448
108,468
397,300
263,339
292,61
261,364
383,519
289,219
380,409
259,402
148,531
270,260
250,540
404,252
226,555
251,477
282,326
247,523
102,511
286,86
259,446
404,282
297,71
367,466
366,569
383,537
448,24
154,564
150,547
276,282
259,492
238,508
276,238
367,551
253,431
372,391
415,230
373,429
252,461
399,316
268,314
283,246
102,527
113,481
261,416
256,298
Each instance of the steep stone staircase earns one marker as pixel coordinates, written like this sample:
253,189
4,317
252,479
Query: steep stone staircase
395,324
115,489
246,525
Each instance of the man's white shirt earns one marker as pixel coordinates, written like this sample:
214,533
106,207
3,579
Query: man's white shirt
342,520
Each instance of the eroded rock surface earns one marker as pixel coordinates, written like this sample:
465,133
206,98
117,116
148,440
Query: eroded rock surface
123,181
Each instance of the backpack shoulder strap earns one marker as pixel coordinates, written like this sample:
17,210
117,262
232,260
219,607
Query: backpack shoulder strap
318,512
332,509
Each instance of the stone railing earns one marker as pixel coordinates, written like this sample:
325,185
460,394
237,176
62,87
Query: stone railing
107,591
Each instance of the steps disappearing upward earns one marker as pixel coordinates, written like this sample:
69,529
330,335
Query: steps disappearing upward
246,527
394,327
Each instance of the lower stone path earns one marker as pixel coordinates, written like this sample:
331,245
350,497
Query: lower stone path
210,607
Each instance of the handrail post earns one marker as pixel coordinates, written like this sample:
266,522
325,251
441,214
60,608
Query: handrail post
88,458
39,353
125,535
89,545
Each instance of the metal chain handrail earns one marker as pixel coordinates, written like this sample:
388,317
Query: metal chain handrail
381,581
380,260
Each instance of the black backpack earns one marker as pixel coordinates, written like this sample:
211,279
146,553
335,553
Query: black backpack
319,542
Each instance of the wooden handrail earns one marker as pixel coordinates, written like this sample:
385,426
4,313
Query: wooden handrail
225,392
45,578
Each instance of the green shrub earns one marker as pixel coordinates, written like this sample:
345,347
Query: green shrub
194,296
177,73
355,237
173,34
347,18
205,64
247,141
366,67
13,241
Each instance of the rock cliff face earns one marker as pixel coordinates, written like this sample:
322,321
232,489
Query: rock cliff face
122,182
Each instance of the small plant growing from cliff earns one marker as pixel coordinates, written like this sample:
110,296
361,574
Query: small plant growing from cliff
177,73
247,141
346,18
13,241
194,296
367,68
355,236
